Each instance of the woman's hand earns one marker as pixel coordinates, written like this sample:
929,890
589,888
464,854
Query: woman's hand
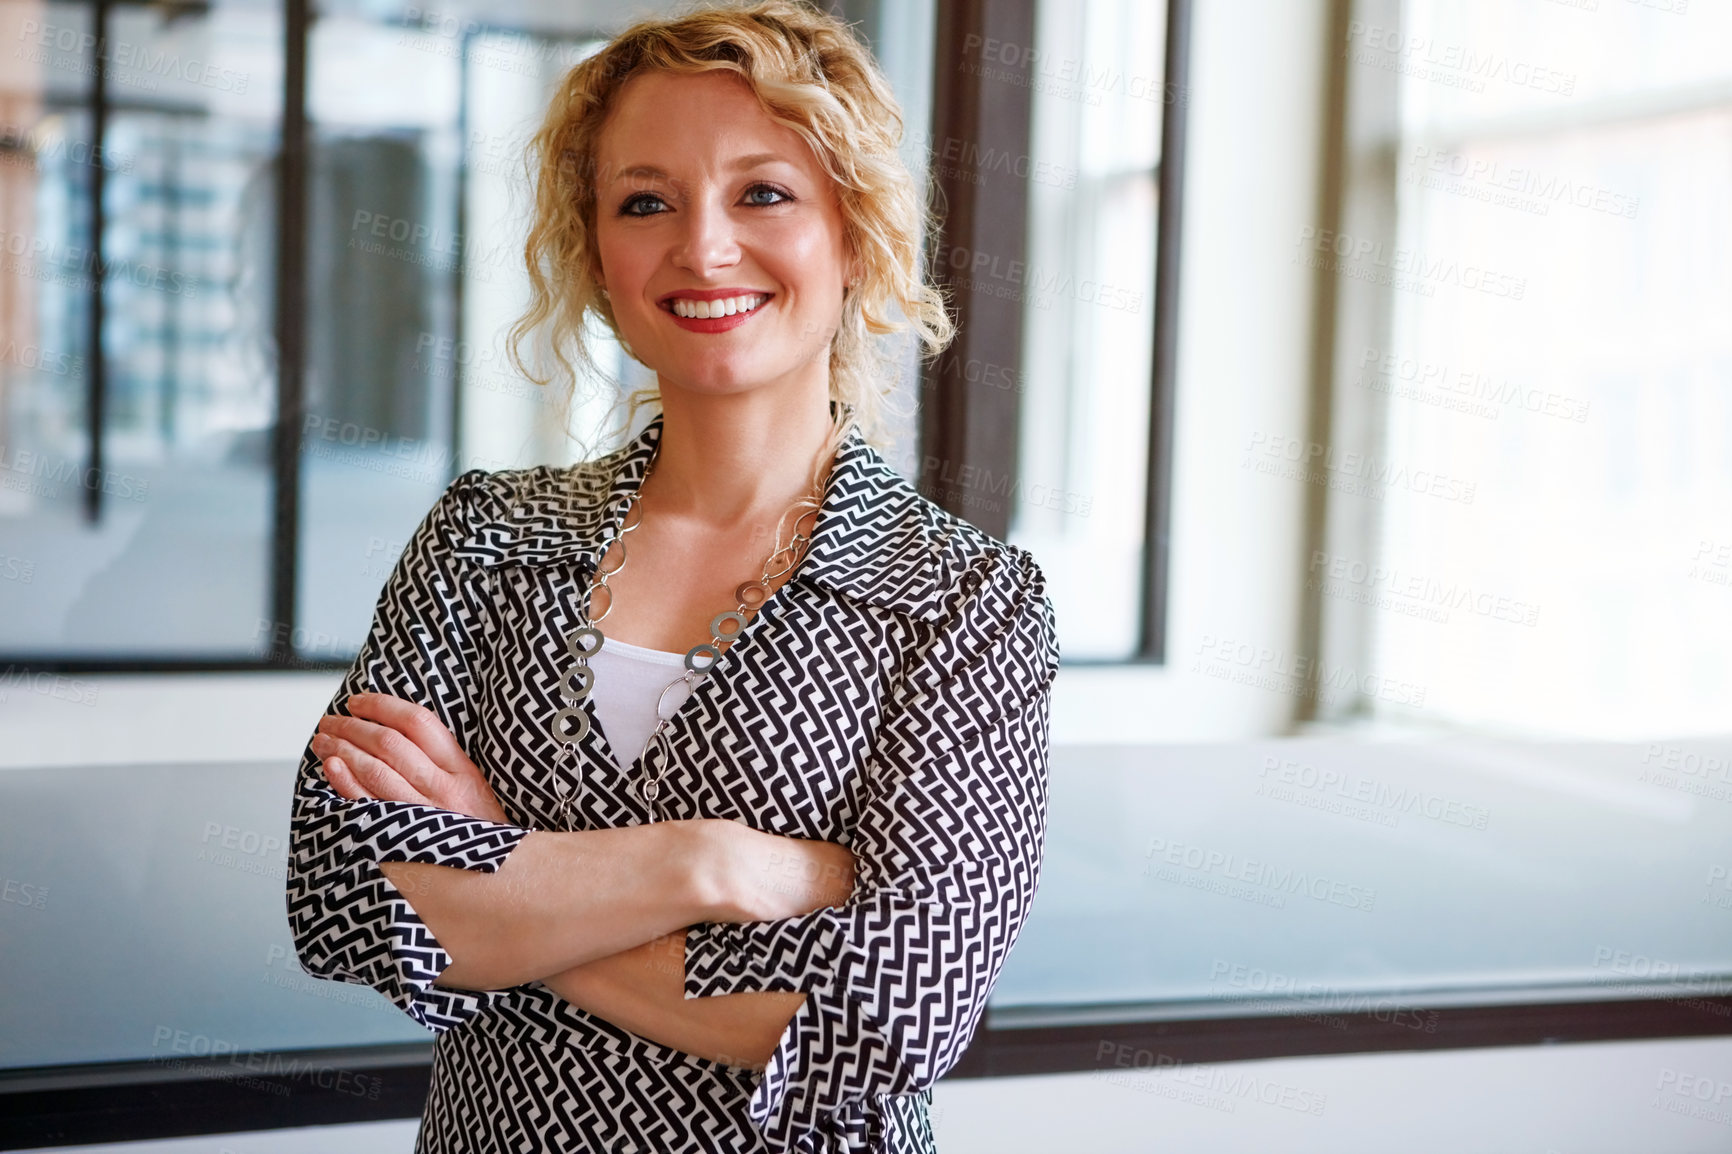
760,877
395,750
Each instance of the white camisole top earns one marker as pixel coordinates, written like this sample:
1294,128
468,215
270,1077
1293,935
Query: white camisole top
629,681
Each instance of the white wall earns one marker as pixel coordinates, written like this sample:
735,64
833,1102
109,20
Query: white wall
53,719
1586,1099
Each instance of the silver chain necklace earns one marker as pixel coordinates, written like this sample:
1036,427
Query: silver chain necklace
571,724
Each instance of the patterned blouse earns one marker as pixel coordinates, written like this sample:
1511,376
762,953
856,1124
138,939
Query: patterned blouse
892,697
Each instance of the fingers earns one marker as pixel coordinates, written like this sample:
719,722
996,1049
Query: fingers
387,745
418,723
342,779
360,774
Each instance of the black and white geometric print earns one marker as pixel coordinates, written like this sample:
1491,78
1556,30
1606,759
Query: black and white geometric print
892,696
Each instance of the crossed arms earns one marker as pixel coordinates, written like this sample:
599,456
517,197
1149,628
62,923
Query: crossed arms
612,943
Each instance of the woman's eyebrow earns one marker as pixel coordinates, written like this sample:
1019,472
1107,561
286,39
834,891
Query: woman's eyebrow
738,164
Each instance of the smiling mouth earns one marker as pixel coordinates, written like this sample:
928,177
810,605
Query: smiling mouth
724,307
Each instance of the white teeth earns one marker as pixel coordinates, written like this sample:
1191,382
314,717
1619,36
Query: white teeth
726,307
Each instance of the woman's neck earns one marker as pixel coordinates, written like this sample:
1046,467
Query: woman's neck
730,460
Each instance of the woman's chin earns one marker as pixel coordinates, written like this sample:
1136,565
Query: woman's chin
714,380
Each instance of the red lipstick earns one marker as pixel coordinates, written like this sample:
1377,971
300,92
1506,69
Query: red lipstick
713,324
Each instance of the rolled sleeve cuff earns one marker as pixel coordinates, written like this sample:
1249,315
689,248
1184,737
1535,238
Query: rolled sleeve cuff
416,959
783,1103
408,832
362,927
790,955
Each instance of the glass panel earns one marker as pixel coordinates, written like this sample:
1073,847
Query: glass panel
1579,580
1318,875
384,249
143,919
186,274
507,420
1089,315
417,206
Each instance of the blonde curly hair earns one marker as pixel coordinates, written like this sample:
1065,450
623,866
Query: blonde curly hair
811,74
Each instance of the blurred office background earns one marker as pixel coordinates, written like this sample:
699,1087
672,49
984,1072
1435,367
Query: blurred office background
1359,372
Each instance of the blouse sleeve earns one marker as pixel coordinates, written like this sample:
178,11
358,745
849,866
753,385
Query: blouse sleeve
949,849
348,921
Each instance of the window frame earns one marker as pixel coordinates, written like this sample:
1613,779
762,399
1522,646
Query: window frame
136,1101
970,428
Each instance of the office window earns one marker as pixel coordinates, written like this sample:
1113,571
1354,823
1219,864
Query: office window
136,350
1089,314
1541,375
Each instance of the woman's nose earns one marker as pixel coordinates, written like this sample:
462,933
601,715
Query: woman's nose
707,240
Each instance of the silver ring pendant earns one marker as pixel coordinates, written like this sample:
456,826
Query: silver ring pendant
751,595
692,654
720,619
577,682
575,714
577,642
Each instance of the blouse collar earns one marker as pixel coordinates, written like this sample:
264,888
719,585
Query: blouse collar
876,540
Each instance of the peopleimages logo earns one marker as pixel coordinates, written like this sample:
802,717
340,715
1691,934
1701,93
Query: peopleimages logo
39,359
1266,667
41,475
1282,455
1363,258
1328,571
1329,1005
1279,881
42,259
1478,393
58,686
1529,189
1065,77
1369,792
38,146
1216,1087
120,54
1453,65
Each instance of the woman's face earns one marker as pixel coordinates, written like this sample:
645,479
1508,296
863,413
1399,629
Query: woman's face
721,242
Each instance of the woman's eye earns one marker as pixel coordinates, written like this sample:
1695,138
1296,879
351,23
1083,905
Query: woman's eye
764,194
643,204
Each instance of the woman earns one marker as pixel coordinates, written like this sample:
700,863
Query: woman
776,926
